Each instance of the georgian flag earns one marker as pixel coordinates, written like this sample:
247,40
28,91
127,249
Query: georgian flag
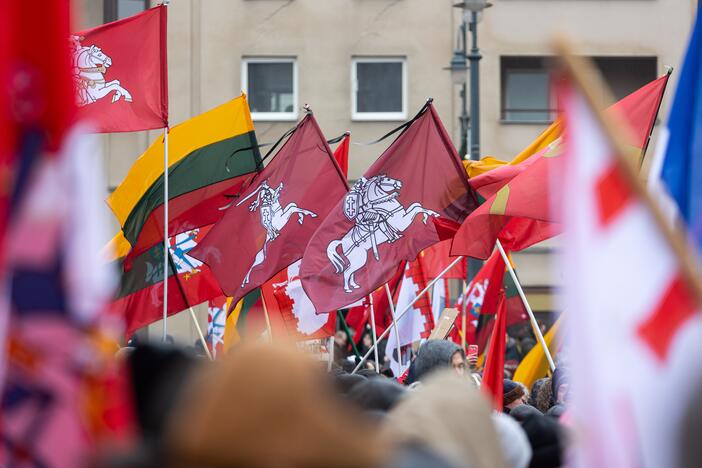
633,328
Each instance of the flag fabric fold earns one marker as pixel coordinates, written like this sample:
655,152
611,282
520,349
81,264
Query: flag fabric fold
387,216
211,157
418,322
494,370
517,207
121,74
268,226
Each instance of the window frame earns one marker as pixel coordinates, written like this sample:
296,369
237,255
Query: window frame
377,116
110,11
271,116
552,111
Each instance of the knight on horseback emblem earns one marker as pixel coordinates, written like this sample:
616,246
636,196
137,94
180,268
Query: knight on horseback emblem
273,217
369,215
90,64
378,218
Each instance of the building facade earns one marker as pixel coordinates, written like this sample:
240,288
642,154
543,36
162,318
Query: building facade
367,65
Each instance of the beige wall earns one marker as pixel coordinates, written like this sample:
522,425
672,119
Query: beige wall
208,38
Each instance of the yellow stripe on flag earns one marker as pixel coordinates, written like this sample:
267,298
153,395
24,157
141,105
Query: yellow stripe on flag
223,122
535,365
231,333
488,163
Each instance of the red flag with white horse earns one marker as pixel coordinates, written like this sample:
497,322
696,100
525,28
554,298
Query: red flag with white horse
267,228
387,216
119,70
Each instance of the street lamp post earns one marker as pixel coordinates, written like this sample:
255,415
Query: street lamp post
458,67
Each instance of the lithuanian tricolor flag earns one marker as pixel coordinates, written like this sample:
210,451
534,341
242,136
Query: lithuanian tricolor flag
209,157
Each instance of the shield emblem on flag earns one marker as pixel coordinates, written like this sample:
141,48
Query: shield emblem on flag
352,201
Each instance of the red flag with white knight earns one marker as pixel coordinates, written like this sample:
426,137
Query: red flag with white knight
120,72
268,226
387,216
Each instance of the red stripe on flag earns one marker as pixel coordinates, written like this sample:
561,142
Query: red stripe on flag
672,312
613,195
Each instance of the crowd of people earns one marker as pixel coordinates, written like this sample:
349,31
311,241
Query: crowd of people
276,406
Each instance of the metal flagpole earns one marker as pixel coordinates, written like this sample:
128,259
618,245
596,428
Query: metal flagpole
375,336
404,311
394,324
166,252
534,324
199,332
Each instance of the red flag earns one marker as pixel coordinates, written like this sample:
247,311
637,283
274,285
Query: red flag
267,228
290,311
341,154
436,258
386,217
120,73
517,206
140,296
493,373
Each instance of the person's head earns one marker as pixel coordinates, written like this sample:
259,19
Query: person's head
535,387
522,412
435,355
543,396
458,363
340,338
377,394
277,405
560,384
367,340
462,431
513,395
513,439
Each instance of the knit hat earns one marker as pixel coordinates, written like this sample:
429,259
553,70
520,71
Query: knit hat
511,392
434,355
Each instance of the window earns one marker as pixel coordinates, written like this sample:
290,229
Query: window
527,91
117,9
271,86
379,89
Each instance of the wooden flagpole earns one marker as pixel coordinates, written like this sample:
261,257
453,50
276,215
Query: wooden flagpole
375,335
199,332
268,319
404,311
534,324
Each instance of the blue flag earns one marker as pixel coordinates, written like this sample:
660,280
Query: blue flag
681,170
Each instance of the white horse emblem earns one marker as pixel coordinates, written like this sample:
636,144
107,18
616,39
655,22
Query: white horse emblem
378,218
89,67
273,217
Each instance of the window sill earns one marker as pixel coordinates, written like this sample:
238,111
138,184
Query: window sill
379,117
526,122
273,117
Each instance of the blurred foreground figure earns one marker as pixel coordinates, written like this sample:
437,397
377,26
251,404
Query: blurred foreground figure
446,416
267,406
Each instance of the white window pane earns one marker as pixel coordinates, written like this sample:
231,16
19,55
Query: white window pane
379,87
527,95
270,87
126,8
